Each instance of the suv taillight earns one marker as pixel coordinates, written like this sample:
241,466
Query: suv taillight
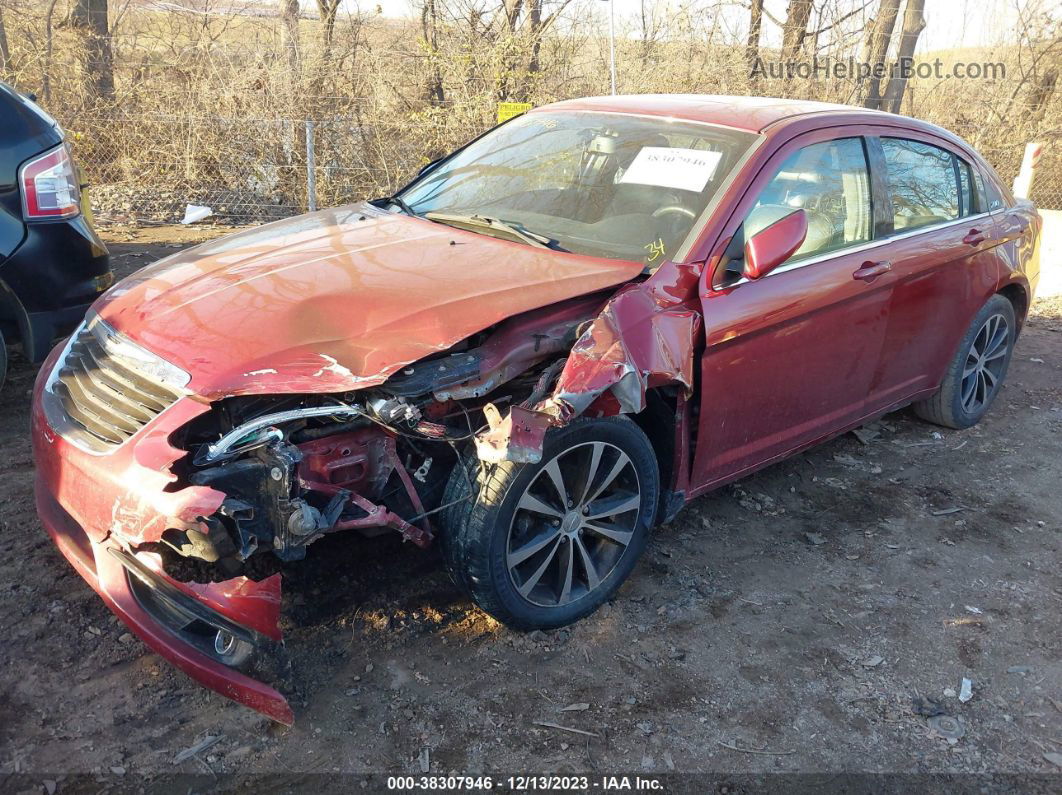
50,186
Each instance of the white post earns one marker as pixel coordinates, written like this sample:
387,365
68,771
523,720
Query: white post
1023,182
311,171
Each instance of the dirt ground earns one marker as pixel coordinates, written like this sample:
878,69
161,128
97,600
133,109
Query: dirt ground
799,613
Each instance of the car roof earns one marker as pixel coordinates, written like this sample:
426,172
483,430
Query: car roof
754,114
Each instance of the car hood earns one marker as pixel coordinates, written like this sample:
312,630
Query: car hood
336,300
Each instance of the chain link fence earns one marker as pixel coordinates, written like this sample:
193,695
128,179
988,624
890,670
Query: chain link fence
148,167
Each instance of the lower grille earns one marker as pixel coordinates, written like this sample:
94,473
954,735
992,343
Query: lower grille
105,396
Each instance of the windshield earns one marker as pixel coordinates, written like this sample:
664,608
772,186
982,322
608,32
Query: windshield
603,184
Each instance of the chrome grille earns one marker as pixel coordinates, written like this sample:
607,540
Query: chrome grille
105,397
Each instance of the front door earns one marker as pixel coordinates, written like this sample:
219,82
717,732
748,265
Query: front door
789,358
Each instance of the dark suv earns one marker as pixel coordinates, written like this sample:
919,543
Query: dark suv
52,262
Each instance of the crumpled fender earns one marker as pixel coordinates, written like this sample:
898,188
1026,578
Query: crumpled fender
646,336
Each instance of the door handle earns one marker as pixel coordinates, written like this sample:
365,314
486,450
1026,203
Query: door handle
974,237
870,270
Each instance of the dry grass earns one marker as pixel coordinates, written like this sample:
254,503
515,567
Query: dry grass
211,107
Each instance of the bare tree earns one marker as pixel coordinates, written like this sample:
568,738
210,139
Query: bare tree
46,71
90,17
795,28
327,10
876,49
913,23
289,18
429,28
752,46
5,51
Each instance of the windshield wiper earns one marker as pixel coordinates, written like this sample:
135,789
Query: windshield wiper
400,203
475,222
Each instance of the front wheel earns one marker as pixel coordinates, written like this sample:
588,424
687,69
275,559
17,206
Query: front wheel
975,375
543,545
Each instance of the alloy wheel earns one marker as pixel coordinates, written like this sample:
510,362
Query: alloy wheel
573,524
984,364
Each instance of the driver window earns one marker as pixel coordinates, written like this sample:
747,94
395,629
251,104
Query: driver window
831,183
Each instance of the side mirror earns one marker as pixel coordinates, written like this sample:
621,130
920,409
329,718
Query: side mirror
774,244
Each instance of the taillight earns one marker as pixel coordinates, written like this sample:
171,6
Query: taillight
49,185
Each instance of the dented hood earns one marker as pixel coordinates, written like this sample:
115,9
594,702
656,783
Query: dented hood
336,300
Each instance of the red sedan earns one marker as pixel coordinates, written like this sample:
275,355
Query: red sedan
545,344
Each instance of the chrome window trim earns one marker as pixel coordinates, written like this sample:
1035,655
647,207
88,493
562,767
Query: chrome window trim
855,249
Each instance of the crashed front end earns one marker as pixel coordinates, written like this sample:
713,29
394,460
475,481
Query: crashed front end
180,510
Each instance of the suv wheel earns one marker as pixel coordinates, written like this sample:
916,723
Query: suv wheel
543,545
975,375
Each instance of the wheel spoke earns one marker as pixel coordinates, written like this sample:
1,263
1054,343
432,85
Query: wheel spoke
553,470
567,576
1000,353
998,339
990,378
982,387
530,583
591,471
592,578
620,503
518,556
970,367
611,533
529,502
969,385
618,467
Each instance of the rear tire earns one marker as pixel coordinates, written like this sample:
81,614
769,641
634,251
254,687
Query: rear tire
975,375
536,560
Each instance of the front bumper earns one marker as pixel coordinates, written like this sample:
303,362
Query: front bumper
96,507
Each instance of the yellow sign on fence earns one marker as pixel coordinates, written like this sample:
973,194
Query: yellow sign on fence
506,110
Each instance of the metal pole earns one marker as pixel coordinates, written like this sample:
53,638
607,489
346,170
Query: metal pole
612,41
311,171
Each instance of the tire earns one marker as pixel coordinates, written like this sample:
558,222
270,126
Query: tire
971,382
494,544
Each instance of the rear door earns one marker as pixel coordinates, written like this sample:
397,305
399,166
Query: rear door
940,235
789,358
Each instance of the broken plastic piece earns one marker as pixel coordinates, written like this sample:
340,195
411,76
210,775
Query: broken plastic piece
518,437
196,212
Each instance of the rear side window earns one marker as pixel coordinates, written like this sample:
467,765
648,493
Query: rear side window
988,193
830,182
923,182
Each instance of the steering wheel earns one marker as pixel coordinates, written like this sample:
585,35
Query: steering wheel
677,209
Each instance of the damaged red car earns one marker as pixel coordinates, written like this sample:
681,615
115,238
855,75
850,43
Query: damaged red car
545,344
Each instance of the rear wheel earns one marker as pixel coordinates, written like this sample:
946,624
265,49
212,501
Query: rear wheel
975,376
543,545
